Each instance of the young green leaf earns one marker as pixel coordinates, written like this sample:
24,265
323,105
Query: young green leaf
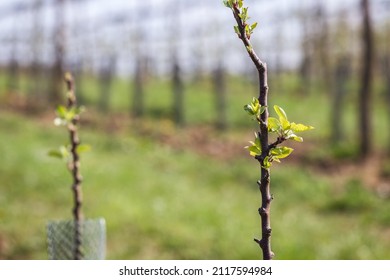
262,110
83,148
62,153
254,109
65,151
280,112
300,127
266,163
244,14
227,3
294,137
282,117
276,159
255,104
253,26
61,111
236,30
253,150
257,140
249,109
281,152
255,147
55,153
274,125
69,115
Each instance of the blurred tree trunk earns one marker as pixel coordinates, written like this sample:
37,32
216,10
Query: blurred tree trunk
277,75
138,90
178,94
321,46
366,81
12,78
173,24
106,76
388,102
140,49
56,87
35,91
220,97
315,64
305,69
78,79
341,76
13,74
385,67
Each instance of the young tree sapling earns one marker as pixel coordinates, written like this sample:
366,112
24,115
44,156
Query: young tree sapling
261,149
69,117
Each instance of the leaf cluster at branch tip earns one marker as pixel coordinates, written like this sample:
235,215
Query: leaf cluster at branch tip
242,13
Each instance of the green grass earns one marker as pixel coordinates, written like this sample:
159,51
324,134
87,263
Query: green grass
166,203
162,203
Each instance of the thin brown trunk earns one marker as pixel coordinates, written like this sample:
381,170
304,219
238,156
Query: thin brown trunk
59,52
106,77
75,169
220,97
264,183
341,76
385,67
178,94
138,91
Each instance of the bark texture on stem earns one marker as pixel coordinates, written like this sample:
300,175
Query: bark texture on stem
75,168
264,182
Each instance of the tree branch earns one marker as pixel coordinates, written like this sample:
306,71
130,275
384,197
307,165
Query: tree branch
278,141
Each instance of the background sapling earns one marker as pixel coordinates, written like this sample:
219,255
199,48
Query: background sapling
69,116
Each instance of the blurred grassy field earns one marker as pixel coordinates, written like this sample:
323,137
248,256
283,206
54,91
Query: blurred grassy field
161,202
172,199
313,105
